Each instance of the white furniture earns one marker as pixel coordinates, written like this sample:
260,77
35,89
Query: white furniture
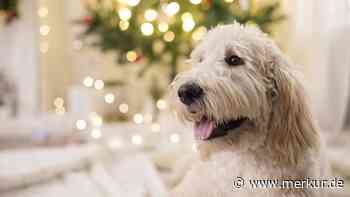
90,171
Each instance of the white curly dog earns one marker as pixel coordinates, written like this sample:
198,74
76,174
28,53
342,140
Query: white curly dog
254,130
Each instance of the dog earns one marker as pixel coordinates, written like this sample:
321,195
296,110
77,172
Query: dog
251,118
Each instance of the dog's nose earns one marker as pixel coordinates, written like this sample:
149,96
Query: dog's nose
189,93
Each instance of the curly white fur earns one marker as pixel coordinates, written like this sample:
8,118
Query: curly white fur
280,140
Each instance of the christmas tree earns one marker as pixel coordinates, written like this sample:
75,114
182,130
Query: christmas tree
9,10
164,31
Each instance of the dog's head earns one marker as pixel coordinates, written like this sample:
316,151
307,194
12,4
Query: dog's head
241,82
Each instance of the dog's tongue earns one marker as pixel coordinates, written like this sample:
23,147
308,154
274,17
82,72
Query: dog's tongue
203,129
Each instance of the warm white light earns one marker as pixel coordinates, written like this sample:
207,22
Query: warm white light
81,124
147,29
109,98
133,2
96,133
124,14
88,81
155,127
187,22
161,104
163,27
124,25
44,47
138,118
188,25
124,108
169,36
96,120
99,84
44,30
131,56
172,8
136,139
60,111
58,102
196,2
151,15
174,138
199,33
43,12
229,1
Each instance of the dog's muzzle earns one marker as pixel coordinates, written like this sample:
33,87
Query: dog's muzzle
189,93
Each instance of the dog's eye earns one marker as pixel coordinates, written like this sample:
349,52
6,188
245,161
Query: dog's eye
234,60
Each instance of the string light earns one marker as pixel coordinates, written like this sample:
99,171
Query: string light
43,12
81,124
44,30
199,33
172,8
58,102
147,29
60,111
99,84
195,2
136,139
161,104
96,120
124,25
174,138
96,133
151,15
44,47
188,25
131,56
163,27
155,127
59,106
187,22
124,14
229,1
169,36
133,2
124,108
138,118
109,98
88,81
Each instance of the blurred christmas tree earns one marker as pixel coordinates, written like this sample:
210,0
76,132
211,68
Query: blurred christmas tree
162,31
9,10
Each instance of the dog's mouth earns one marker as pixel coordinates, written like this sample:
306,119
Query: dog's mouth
207,129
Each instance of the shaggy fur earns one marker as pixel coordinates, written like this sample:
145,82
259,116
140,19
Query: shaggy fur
280,139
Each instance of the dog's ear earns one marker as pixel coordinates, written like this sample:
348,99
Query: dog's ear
291,128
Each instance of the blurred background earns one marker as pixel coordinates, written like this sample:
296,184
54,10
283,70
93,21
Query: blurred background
83,85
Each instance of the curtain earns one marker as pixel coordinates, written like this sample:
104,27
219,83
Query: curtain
19,56
320,29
